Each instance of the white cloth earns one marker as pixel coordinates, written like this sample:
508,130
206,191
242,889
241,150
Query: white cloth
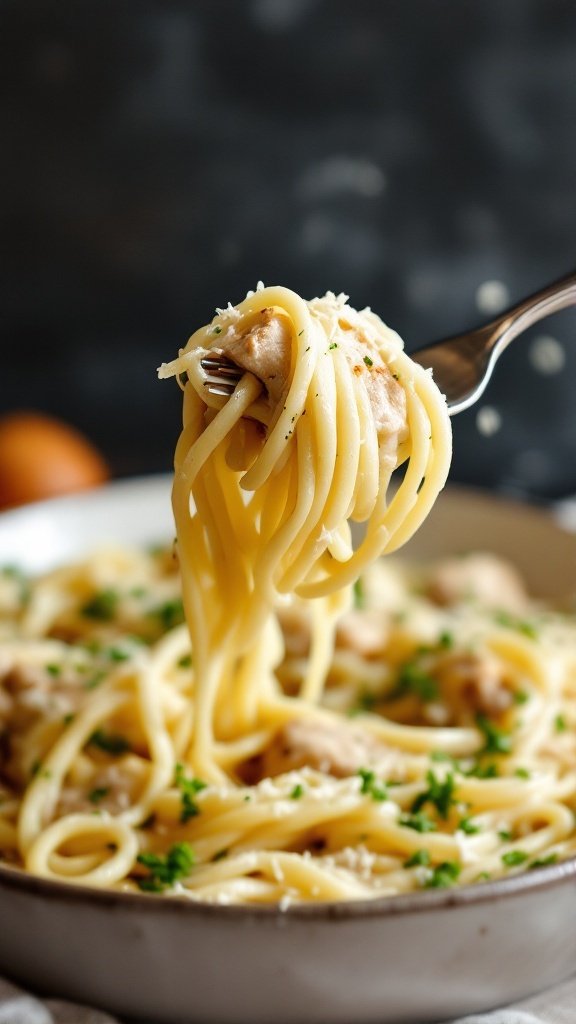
555,1006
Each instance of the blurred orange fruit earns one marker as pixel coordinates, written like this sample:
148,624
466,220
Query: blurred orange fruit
41,457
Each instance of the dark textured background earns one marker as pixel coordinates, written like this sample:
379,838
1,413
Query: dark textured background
158,158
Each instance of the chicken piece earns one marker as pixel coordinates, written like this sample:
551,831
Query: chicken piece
29,692
264,350
478,681
336,748
112,789
480,577
364,632
386,395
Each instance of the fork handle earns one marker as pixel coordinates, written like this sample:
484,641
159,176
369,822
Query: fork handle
549,300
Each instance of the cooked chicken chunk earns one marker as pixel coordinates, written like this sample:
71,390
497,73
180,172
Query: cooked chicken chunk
479,681
482,577
264,350
338,749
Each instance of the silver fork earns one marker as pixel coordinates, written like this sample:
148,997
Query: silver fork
461,366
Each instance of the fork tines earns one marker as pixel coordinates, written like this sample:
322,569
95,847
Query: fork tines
225,373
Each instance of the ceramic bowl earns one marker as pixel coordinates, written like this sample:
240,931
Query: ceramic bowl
417,958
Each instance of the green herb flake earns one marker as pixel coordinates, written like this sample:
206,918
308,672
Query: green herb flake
54,670
98,794
421,858
217,330
520,697
496,740
446,640
440,794
443,876
542,862
521,773
514,858
188,789
371,786
509,621
170,613
185,661
221,855
420,822
359,593
441,756
95,680
166,869
102,606
68,719
332,345
412,678
468,826
297,792
483,771
368,361
560,723
505,835
109,743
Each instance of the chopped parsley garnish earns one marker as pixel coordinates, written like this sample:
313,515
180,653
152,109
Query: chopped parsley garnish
441,756
412,678
297,792
109,742
118,654
440,794
188,789
421,858
68,719
217,330
520,697
484,876
560,723
102,606
467,825
443,876
497,740
94,680
371,786
505,835
514,858
185,661
170,613
332,345
359,595
542,862
420,822
445,640
368,361
98,794
219,856
522,773
54,670
367,701
483,771
504,618
165,869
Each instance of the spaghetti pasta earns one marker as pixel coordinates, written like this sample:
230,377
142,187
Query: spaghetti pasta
278,715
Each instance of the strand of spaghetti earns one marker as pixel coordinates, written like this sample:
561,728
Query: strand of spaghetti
108,830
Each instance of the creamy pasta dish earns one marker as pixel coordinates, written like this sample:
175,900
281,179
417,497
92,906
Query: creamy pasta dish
270,711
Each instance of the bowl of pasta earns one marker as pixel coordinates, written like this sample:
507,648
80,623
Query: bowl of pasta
263,772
